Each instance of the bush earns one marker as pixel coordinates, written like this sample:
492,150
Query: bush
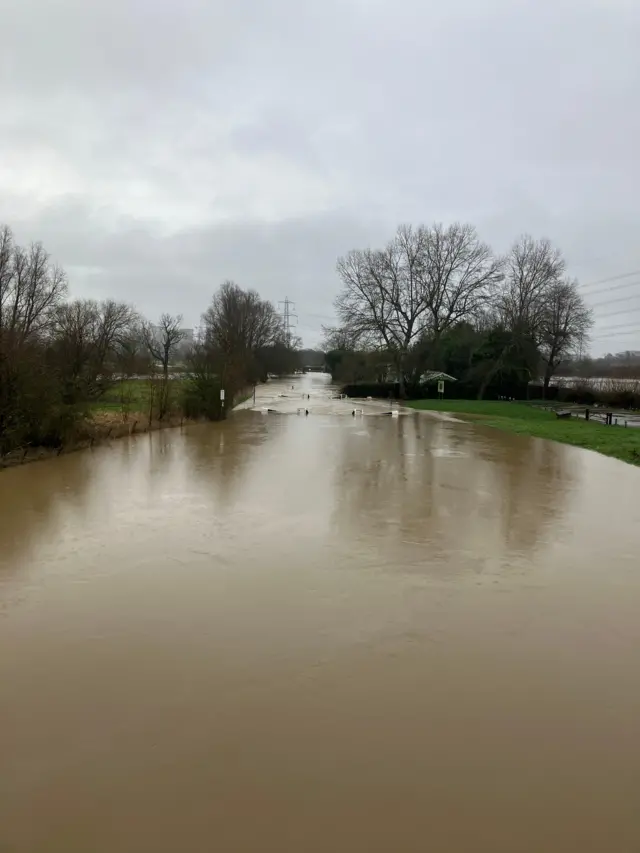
201,399
500,388
32,411
383,390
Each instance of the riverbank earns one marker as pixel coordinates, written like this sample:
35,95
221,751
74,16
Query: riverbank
525,419
100,428
112,418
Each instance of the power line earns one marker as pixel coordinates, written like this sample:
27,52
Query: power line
612,278
616,345
319,316
625,311
611,333
633,326
287,317
614,301
610,289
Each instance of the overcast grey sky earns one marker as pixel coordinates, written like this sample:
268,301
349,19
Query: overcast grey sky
158,147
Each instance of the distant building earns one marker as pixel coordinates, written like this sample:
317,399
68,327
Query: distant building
436,376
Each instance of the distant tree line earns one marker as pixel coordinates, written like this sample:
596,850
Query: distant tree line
59,357
437,298
620,365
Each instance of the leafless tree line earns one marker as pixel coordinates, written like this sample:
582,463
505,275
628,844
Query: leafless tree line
428,280
242,339
58,355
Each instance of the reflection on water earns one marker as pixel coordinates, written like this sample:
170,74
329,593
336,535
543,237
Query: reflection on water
33,503
320,633
459,496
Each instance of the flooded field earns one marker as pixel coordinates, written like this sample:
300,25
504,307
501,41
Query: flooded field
324,632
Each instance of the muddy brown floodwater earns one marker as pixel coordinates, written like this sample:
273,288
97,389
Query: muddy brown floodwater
320,633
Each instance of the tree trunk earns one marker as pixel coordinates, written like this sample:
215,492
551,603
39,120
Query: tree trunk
400,372
401,387
164,392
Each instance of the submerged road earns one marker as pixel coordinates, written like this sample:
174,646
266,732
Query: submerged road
320,633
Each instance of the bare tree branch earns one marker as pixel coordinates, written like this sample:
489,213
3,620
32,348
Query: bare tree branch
532,268
565,323
462,274
425,279
162,342
238,324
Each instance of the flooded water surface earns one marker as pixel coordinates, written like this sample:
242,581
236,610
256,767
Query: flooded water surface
323,632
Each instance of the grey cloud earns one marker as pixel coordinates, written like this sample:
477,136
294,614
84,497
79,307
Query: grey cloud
159,147
179,272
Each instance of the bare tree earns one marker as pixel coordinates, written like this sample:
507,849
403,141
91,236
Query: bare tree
532,268
462,274
86,338
162,342
132,355
383,301
564,325
31,289
131,360
338,338
425,280
238,324
239,319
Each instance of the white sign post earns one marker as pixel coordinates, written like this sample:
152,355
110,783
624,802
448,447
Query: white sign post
222,397
441,387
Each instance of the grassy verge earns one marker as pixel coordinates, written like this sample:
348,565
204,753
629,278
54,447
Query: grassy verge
131,395
122,411
526,419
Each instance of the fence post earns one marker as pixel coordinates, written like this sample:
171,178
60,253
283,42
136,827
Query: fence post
586,414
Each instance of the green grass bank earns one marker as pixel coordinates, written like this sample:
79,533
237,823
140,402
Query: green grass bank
131,395
526,419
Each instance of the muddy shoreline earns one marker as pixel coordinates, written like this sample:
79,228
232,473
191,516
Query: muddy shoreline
104,427
101,430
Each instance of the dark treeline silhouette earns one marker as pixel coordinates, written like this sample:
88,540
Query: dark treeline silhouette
437,298
620,365
312,358
59,357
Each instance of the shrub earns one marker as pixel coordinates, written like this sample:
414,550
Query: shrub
201,398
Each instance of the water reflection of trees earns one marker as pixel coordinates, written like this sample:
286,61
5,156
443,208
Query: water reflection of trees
431,490
126,483
33,500
218,456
